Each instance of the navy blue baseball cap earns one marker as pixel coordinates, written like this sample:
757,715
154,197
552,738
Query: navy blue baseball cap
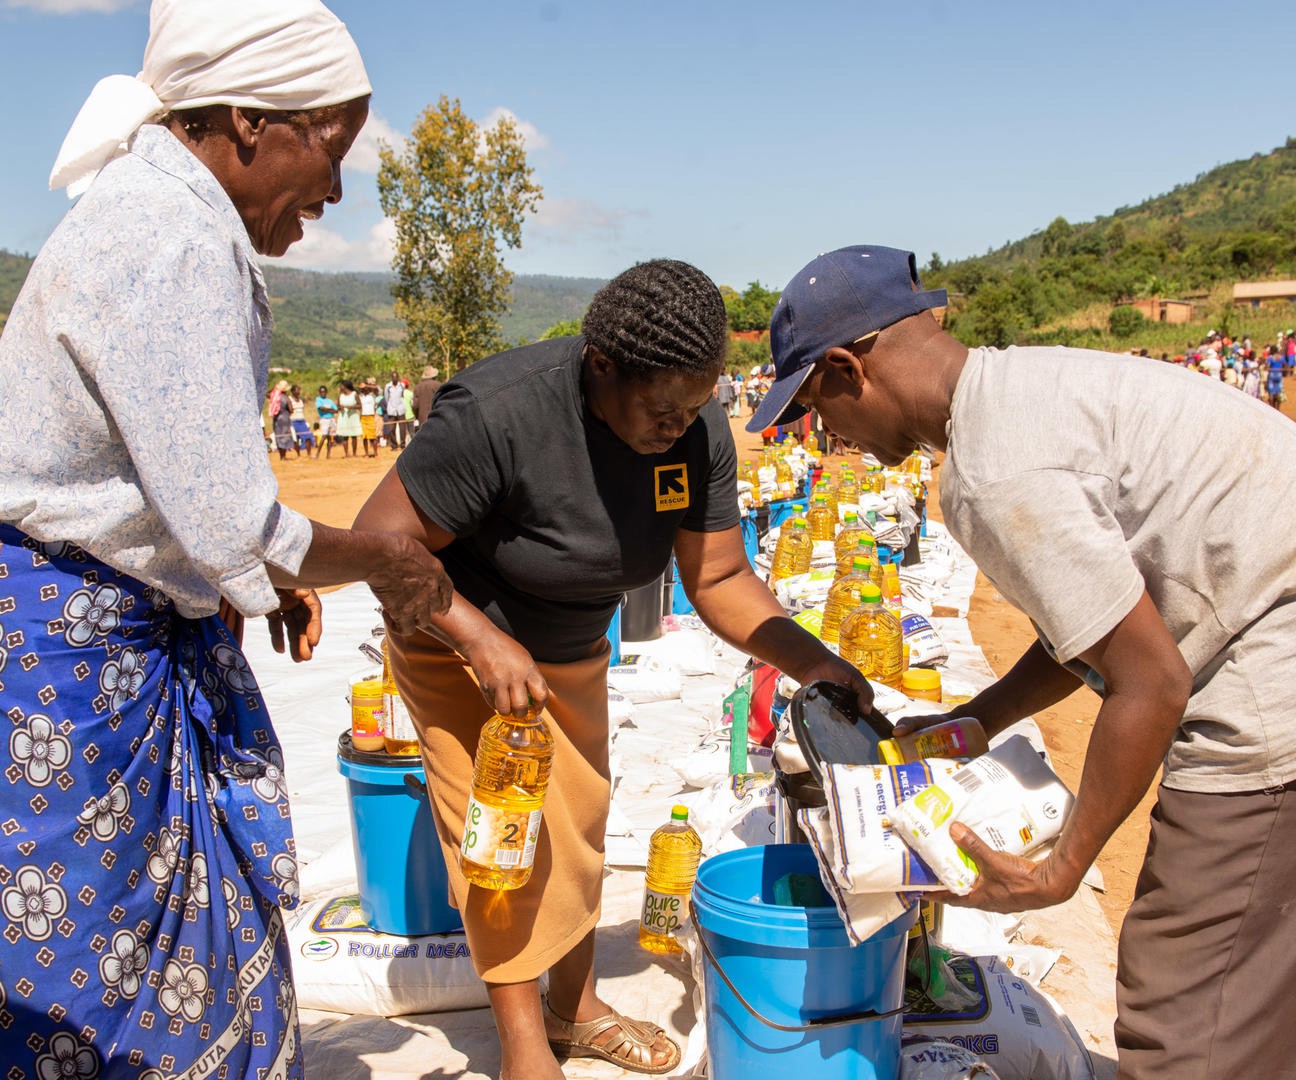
836,300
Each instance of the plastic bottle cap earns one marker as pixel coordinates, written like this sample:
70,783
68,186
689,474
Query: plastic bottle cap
821,499
679,813
920,678
851,516
870,594
859,564
799,523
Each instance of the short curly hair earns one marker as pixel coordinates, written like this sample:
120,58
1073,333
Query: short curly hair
659,317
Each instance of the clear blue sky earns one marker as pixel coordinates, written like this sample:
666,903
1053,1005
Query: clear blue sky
747,137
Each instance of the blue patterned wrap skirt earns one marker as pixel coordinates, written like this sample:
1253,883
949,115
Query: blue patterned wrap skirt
145,840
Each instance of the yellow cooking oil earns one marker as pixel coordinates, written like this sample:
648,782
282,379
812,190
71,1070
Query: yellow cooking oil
673,855
793,552
822,519
871,639
502,822
848,488
842,597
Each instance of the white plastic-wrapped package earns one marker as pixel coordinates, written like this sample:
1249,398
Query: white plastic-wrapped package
1011,1024
342,965
860,801
735,813
688,651
926,647
708,762
934,1059
645,678
1009,797
863,914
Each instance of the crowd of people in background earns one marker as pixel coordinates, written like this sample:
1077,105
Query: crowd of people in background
360,418
734,389
363,417
1255,370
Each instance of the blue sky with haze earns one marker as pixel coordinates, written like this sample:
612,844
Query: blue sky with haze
745,137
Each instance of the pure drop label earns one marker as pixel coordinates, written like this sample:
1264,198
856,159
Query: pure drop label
501,838
663,912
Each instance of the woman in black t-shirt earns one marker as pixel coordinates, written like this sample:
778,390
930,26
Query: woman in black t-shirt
551,479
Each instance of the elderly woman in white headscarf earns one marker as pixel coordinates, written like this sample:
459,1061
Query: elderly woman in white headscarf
147,844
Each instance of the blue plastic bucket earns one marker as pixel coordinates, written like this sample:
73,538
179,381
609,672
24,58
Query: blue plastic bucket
780,510
614,637
796,968
401,872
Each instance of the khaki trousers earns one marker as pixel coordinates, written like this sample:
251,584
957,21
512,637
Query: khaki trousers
514,936
1206,976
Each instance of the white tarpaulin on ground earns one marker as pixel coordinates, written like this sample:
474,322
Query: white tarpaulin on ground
649,743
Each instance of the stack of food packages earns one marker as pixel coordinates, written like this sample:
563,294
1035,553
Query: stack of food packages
780,473
835,565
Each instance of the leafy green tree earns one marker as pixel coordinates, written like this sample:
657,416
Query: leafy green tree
992,317
1057,237
745,355
1124,321
566,328
456,192
751,309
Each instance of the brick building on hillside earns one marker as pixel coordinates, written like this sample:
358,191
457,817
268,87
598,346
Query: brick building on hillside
1258,294
1155,309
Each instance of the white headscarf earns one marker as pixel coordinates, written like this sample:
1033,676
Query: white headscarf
266,54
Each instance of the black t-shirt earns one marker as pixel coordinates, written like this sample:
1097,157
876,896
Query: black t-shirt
554,516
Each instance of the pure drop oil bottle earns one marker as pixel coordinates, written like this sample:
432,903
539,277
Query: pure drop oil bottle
673,855
502,823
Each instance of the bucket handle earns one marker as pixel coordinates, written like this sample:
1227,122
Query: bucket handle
414,787
818,1023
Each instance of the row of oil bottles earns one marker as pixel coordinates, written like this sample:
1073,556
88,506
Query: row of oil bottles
510,777
862,615
782,464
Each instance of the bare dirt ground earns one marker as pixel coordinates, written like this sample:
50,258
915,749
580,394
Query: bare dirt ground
333,490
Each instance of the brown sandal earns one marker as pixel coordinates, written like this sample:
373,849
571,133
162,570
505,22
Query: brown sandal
632,1050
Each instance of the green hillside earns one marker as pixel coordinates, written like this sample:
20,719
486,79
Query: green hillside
320,318
1060,284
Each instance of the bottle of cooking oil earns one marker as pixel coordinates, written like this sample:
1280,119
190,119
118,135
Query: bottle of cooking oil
865,548
825,488
848,488
871,638
793,552
842,597
822,520
848,539
502,823
673,855
398,727
783,477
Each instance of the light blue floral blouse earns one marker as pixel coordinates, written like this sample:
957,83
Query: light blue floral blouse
132,372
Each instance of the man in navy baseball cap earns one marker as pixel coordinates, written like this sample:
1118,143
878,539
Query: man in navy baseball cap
1089,488
841,298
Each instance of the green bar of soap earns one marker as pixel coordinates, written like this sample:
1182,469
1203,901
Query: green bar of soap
800,890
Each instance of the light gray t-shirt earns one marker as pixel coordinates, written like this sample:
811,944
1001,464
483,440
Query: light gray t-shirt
1075,479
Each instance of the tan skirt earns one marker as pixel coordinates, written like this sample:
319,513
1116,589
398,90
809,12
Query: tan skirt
515,936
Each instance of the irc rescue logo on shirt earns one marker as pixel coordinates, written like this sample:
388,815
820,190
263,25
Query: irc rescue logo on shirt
670,483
